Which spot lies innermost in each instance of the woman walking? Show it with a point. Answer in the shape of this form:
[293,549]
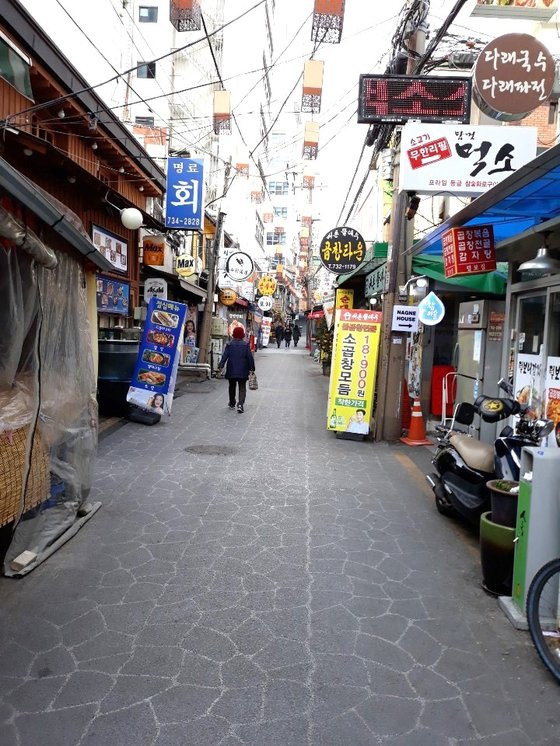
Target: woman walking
[239,362]
[288,335]
[279,333]
[296,334]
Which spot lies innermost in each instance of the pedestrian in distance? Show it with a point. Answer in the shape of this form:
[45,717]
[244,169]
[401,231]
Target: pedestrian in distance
[279,332]
[287,336]
[296,334]
[239,362]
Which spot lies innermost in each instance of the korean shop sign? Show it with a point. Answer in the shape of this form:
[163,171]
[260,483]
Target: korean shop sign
[469,250]
[342,250]
[354,363]
[513,75]
[344,298]
[535,10]
[462,159]
[375,281]
[184,197]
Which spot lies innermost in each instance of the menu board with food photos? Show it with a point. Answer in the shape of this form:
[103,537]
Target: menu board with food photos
[114,248]
[552,389]
[113,296]
[153,381]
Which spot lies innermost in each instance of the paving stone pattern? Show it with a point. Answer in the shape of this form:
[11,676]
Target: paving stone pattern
[300,590]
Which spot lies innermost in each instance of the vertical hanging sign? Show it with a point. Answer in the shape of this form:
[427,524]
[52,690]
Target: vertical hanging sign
[153,381]
[184,198]
[354,366]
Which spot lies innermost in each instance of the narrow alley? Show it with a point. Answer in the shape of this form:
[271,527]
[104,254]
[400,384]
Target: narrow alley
[250,579]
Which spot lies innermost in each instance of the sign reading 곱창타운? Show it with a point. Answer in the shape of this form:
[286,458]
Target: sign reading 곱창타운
[354,363]
[462,158]
[342,250]
[514,74]
[468,251]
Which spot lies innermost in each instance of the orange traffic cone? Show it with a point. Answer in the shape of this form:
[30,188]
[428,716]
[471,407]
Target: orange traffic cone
[417,432]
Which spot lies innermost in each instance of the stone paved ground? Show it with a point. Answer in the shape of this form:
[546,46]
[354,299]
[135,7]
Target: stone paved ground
[287,588]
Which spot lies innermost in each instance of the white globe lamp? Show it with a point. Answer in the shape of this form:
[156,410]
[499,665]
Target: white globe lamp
[131,218]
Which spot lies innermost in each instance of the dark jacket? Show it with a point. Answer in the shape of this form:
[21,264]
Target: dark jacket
[239,359]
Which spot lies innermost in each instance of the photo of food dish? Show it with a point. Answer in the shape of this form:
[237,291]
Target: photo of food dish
[553,406]
[97,239]
[529,397]
[156,358]
[99,286]
[152,377]
[161,338]
[109,288]
[104,300]
[165,319]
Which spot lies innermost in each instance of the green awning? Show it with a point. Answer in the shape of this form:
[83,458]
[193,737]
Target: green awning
[376,254]
[488,282]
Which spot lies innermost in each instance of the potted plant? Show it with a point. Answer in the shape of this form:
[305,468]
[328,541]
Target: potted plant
[503,501]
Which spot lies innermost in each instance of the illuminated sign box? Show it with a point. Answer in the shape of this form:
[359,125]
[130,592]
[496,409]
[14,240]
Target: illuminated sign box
[538,10]
[468,251]
[400,98]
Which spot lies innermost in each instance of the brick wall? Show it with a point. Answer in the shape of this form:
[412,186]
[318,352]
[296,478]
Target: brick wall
[545,119]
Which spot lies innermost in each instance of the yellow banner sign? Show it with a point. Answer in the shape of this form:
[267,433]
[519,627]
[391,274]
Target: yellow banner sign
[267,285]
[354,364]
[344,298]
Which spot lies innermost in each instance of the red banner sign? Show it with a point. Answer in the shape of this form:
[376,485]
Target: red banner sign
[469,251]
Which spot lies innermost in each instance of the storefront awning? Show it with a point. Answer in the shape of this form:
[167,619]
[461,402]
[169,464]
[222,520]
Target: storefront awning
[375,256]
[488,282]
[190,287]
[525,202]
[59,217]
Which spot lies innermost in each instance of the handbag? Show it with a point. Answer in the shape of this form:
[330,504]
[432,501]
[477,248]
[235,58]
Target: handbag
[253,383]
[220,373]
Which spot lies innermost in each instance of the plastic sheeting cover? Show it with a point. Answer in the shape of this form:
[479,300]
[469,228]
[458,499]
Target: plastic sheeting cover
[47,394]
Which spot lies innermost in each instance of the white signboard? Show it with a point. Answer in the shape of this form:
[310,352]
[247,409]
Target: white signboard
[462,158]
[155,288]
[405,319]
[265,302]
[239,266]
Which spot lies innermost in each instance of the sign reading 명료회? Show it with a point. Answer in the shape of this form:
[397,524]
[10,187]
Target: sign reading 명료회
[468,250]
[153,380]
[354,364]
[462,158]
[514,74]
[342,250]
[184,195]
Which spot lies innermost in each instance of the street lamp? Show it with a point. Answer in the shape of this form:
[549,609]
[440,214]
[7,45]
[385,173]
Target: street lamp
[131,217]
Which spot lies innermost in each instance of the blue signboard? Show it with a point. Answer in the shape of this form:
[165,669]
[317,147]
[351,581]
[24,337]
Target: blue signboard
[153,381]
[112,296]
[184,198]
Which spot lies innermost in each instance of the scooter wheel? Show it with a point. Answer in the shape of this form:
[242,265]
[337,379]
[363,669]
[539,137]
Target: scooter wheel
[442,503]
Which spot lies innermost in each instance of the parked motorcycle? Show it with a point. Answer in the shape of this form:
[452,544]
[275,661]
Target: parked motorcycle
[464,464]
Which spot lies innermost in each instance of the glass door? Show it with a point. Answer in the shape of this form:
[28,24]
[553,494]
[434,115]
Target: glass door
[551,408]
[528,351]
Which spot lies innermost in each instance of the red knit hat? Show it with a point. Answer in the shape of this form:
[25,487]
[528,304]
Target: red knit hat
[238,332]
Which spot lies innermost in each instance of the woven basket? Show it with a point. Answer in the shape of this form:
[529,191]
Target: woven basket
[13,446]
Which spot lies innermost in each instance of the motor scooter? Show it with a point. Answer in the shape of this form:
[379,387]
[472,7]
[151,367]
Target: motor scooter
[464,464]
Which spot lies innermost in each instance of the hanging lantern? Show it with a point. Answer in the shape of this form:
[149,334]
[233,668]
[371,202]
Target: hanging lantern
[311,141]
[185,15]
[222,113]
[312,86]
[328,17]
[308,181]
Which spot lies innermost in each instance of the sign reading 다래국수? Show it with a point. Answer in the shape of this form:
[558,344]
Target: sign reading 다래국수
[462,158]
[184,194]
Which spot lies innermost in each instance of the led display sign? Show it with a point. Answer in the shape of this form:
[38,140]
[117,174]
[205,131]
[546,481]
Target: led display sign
[399,98]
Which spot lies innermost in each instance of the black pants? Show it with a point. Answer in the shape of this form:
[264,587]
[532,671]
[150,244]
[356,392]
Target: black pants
[242,390]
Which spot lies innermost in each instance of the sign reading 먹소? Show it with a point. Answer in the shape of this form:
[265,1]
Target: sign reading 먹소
[513,75]
[342,250]
[469,251]
[462,158]
[398,98]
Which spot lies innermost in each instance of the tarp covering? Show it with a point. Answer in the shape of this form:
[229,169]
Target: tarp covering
[48,409]
[487,282]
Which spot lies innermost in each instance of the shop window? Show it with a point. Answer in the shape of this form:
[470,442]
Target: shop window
[14,67]
[146,70]
[147,14]
[552,112]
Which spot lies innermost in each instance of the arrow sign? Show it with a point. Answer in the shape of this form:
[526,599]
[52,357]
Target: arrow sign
[405,319]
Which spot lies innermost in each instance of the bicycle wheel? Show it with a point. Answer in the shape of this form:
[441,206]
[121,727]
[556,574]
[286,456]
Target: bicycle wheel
[543,615]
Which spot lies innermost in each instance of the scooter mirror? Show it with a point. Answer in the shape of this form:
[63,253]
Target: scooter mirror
[505,386]
[544,427]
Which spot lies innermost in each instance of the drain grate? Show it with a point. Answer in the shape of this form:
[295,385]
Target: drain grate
[204,450]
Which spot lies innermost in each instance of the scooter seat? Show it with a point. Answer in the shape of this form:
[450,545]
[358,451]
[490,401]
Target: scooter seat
[477,455]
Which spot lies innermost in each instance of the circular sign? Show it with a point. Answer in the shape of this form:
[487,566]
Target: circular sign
[265,303]
[239,266]
[154,288]
[513,75]
[185,265]
[267,285]
[227,296]
[342,250]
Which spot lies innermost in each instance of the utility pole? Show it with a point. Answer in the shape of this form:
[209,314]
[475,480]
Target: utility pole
[206,326]
[393,344]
